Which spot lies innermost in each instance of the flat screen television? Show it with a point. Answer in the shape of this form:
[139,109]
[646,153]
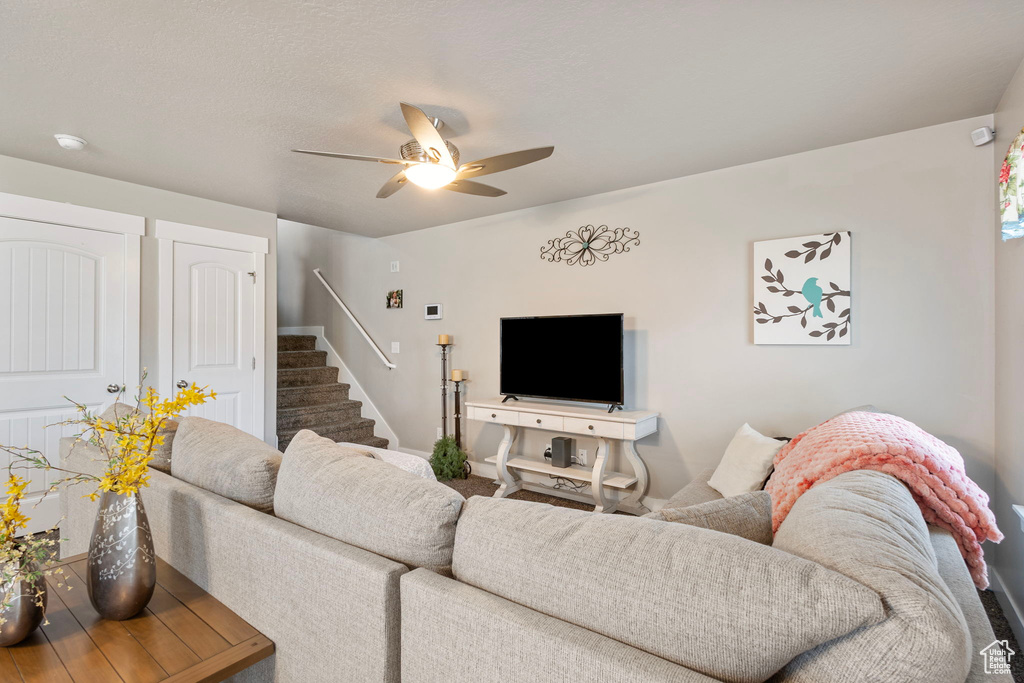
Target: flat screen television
[566,357]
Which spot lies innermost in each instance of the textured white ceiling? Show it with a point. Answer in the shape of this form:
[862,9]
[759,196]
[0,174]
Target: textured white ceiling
[206,97]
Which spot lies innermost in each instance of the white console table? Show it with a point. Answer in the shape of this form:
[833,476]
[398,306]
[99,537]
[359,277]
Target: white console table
[625,426]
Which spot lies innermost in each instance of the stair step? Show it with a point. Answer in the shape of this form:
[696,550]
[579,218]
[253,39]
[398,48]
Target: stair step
[289,360]
[355,431]
[324,413]
[375,441]
[321,394]
[296,342]
[305,377]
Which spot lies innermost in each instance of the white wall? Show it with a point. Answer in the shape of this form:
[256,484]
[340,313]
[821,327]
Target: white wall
[31,179]
[919,205]
[1009,480]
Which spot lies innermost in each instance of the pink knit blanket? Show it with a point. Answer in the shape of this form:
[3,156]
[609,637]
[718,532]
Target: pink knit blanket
[931,469]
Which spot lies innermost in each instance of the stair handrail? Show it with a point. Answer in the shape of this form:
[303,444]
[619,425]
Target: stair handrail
[362,330]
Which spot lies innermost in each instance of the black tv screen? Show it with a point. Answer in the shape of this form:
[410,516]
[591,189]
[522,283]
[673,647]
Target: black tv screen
[570,358]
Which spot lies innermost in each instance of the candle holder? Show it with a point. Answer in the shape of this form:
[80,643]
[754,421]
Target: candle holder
[458,413]
[444,388]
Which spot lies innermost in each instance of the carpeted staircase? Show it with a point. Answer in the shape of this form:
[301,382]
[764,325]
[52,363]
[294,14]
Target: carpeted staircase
[309,396]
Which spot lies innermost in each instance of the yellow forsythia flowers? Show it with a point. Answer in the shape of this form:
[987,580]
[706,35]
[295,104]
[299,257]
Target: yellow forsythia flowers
[132,437]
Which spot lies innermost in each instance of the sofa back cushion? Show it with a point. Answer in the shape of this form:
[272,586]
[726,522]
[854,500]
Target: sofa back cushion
[367,503]
[866,526]
[161,452]
[227,461]
[715,603]
[748,515]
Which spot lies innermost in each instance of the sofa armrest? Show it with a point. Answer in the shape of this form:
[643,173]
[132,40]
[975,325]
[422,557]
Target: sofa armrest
[696,492]
[958,579]
[473,636]
[78,513]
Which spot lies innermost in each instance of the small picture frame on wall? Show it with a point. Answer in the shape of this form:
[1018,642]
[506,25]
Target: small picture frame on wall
[395,298]
[432,312]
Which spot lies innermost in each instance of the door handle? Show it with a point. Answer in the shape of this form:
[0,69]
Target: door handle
[113,388]
[182,384]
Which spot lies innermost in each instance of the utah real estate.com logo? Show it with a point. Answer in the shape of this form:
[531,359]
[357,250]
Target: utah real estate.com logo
[997,657]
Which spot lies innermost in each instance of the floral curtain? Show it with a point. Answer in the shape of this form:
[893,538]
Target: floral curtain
[1011,190]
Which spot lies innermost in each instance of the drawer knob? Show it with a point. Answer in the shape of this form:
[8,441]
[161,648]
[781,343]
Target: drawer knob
[494,415]
[590,427]
[538,420]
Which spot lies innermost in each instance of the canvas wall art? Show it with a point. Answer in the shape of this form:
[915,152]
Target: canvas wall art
[802,290]
[395,299]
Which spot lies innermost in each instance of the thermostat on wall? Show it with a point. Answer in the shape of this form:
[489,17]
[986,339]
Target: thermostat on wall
[432,311]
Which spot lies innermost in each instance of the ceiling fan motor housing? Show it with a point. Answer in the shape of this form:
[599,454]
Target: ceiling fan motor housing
[412,151]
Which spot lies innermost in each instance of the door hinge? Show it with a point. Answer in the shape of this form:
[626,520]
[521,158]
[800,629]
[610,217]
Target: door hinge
[254,362]
[252,274]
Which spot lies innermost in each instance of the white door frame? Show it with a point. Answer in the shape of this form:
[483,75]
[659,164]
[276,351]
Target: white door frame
[132,227]
[167,233]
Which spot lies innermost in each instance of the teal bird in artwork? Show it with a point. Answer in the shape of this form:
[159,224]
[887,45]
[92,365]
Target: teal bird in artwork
[812,292]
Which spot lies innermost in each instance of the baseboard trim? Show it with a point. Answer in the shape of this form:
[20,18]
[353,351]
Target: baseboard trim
[356,392]
[1014,615]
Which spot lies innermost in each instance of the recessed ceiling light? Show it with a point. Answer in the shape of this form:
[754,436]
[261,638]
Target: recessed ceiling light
[70,141]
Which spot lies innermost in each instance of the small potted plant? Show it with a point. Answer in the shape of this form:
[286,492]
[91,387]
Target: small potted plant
[25,563]
[122,562]
[448,460]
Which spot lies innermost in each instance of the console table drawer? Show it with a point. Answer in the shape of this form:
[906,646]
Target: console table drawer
[502,417]
[550,422]
[610,430]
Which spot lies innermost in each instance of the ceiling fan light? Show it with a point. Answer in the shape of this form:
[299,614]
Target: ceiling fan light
[430,176]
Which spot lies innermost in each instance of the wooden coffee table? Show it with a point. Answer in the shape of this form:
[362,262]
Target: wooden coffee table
[184,635]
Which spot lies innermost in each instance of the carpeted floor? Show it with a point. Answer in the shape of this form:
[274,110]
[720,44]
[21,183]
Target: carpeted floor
[1003,632]
[480,486]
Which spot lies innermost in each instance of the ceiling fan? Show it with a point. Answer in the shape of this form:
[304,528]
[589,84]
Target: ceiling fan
[432,162]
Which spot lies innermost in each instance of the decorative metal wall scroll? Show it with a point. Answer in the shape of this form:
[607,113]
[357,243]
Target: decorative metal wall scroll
[588,245]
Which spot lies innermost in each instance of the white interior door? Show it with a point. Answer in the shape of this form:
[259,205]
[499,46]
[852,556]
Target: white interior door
[214,331]
[64,322]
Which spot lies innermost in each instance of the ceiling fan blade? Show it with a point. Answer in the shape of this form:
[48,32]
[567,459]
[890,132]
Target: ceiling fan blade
[469,187]
[425,133]
[503,162]
[354,157]
[393,185]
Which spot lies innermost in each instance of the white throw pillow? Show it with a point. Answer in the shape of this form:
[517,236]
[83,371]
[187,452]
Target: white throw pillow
[746,462]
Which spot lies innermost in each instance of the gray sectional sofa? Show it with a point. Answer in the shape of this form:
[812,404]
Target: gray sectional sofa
[384,576]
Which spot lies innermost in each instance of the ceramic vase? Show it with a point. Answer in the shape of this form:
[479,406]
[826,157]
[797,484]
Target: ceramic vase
[122,564]
[22,615]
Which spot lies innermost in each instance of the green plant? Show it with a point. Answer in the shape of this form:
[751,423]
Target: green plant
[448,460]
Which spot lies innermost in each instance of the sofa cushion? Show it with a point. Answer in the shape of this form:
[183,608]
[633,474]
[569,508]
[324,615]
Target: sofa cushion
[697,491]
[711,602]
[227,461]
[748,515]
[161,452]
[866,525]
[367,503]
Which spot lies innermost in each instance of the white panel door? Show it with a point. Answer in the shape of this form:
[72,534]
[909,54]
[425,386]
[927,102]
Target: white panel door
[214,330]
[62,333]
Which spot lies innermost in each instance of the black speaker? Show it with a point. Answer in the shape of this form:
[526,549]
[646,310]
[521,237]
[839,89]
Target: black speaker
[562,448]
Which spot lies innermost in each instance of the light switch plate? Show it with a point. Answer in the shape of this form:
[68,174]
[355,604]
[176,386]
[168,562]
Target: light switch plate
[439,434]
[394,266]
[395,347]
